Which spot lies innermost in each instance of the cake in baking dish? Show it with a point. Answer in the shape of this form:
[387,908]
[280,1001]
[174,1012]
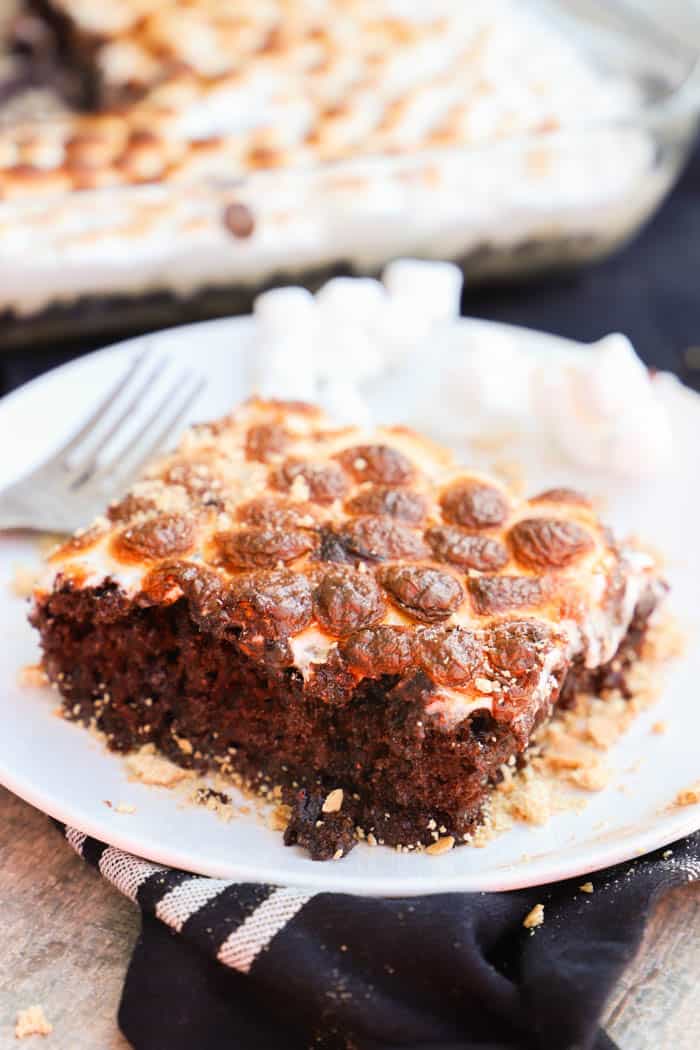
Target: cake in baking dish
[350,615]
[219,146]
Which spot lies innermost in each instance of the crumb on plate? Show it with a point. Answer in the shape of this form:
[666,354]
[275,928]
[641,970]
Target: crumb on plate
[32,676]
[148,767]
[689,796]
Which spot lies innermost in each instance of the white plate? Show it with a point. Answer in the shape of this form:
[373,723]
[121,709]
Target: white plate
[61,769]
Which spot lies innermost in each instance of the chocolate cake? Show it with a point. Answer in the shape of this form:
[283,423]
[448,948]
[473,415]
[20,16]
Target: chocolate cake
[350,615]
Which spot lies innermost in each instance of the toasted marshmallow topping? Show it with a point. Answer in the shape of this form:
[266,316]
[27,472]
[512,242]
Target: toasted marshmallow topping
[354,554]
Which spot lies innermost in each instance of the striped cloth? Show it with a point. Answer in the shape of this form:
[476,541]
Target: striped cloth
[234,921]
[221,965]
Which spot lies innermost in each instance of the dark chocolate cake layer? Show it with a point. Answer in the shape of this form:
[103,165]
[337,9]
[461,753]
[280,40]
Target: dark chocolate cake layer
[152,675]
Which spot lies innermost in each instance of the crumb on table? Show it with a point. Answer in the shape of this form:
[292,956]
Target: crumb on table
[587,887]
[32,1021]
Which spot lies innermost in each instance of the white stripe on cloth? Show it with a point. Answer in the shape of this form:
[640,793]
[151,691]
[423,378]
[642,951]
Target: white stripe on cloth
[125,872]
[244,944]
[176,907]
[76,839]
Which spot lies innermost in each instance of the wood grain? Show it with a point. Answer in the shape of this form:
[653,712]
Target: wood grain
[48,896]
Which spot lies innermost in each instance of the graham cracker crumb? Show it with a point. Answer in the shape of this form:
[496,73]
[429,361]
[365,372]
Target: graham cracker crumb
[443,845]
[32,676]
[659,728]
[587,887]
[24,579]
[689,796]
[280,817]
[603,732]
[534,918]
[32,1021]
[333,802]
[150,768]
[124,807]
[531,800]
[595,778]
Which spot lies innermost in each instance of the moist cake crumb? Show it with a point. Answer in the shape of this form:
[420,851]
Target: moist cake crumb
[32,1021]
[534,918]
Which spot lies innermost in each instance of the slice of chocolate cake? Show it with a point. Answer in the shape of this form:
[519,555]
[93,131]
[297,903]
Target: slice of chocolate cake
[350,615]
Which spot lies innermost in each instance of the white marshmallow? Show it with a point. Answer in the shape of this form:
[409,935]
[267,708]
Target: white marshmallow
[434,287]
[282,362]
[348,311]
[604,414]
[486,380]
[283,309]
[354,299]
[346,351]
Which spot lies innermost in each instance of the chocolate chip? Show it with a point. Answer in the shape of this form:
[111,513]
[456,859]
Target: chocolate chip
[238,220]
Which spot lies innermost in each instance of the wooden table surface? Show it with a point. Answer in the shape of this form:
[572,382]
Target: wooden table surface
[48,896]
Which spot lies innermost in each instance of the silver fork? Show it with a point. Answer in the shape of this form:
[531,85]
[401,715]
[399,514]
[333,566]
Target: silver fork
[77,481]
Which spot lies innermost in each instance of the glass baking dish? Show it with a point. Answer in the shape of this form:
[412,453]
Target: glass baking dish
[122,258]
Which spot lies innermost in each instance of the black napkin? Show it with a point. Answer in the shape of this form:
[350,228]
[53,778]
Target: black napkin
[245,966]
[452,971]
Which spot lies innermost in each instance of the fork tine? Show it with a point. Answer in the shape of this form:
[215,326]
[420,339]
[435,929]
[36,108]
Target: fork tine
[87,469]
[173,420]
[101,408]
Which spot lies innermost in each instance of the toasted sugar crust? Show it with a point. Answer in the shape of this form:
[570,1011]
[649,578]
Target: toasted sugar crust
[311,585]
